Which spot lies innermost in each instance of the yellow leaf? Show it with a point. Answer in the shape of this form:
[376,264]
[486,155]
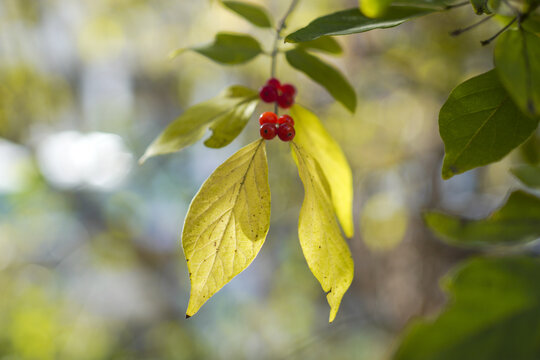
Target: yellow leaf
[325,250]
[315,140]
[227,223]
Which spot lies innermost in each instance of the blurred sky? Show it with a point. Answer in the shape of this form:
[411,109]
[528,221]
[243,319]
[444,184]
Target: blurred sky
[90,259]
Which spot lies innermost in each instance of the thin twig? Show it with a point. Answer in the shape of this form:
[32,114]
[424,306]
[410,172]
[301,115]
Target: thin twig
[487,41]
[279,29]
[461,31]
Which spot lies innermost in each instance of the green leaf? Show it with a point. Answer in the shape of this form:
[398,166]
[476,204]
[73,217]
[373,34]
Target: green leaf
[528,175]
[485,6]
[228,49]
[228,127]
[493,312]
[326,252]
[232,107]
[480,124]
[227,223]
[325,44]
[352,21]
[317,142]
[255,14]
[517,55]
[517,221]
[325,75]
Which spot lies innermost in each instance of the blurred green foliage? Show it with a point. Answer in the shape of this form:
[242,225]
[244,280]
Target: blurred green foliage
[95,272]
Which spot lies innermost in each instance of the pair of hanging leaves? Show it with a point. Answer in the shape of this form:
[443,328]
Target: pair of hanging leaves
[228,219]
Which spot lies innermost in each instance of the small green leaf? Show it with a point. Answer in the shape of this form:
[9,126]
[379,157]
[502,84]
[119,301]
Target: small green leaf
[325,44]
[227,223]
[493,312]
[228,49]
[485,6]
[517,221]
[255,14]
[326,252]
[229,126]
[480,124]
[232,107]
[352,21]
[317,142]
[528,175]
[517,60]
[325,75]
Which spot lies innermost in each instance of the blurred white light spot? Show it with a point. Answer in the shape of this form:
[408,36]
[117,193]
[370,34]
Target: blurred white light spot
[72,159]
[14,161]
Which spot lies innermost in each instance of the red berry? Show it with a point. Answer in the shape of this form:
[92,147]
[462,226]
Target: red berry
[268,117]
[285,101]
[285,119]
[286,132]
[273,82]
[268,93]
[268,131]
[288,89]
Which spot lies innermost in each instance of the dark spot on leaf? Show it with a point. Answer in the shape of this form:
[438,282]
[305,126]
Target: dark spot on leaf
[188,316]
[454,169]
[530,106]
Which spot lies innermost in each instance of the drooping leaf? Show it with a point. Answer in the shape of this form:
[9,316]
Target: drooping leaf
[528,175]
[325,75]
[232,107]
[326,252]
[493,312]
[227,222]
[228,49]
[255,14]
[228,127]
[325,44]
[317,142]
[517,221]
[352,21]
[480,124]
[517,60]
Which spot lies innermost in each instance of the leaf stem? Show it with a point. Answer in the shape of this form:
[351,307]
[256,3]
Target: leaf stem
[461,31]
[486,42]
[282,25]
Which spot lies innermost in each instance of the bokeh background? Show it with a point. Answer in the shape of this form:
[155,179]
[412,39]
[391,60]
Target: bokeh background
[90,260]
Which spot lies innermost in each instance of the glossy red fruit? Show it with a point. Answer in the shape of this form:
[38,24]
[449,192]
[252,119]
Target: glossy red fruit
[285,119]
[288,89]
[285,101]
[273,82]
[268,117]
[268,93]
[268,131]
[286,132]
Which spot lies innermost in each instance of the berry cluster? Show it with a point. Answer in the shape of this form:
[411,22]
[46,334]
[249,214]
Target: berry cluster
[271,126]
[274,91]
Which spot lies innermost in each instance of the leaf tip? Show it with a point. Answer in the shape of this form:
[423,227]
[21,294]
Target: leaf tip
[175,53]
[188,316]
